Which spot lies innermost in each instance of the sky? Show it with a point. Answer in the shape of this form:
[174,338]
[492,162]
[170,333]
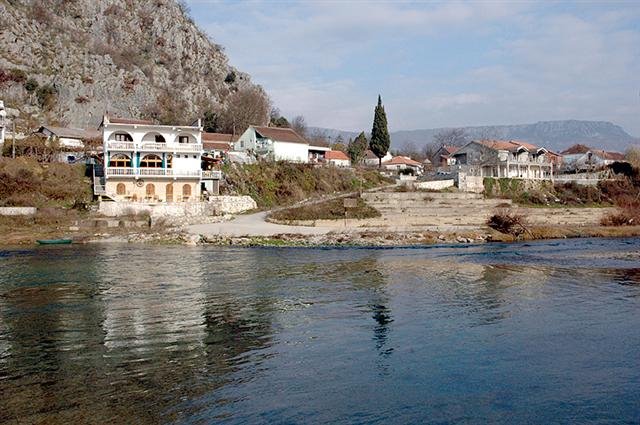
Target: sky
[436,64]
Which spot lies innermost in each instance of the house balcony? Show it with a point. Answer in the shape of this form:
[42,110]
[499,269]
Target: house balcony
[151,172]
[154,147]
[212,175]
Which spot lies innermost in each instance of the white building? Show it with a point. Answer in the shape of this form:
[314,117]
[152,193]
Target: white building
[371,159]
[153,163]
[401,163]
[583,158]
[3,122]
[275,143]
[337,158]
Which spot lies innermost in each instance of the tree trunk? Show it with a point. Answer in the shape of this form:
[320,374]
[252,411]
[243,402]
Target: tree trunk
[379,163]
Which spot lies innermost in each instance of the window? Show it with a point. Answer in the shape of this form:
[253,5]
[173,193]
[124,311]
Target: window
[160,139]
[186,191]
[183,139]
[169,161]
[169,192]
[150,189]
[151,161]
[120,160]
[123,137]
[121,189]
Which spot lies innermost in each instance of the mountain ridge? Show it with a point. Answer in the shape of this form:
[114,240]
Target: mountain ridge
[555,135]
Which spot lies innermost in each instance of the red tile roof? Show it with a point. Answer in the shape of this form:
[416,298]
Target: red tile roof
[216,146]
[336,155]
[508,145]
[581,149]
[450,149]
[402,160]
[219,137]
[71,133]
[280,134]
[575,149]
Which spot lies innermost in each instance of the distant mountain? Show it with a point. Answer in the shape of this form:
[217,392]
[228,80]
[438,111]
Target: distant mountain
[554,135]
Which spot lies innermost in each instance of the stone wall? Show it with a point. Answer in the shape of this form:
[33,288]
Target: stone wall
[232,204]
[467,183]
[17,210]
[217,205]
[434,184]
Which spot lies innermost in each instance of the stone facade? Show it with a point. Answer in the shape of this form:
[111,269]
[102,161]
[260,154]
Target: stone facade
[434,184]
[232,204]
[218,205]
[154,189]
[467,183]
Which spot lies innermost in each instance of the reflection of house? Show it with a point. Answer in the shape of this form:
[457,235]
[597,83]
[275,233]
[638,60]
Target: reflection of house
[217,144]
[3,122]
[583,158]
[144,161]
[443,157]
[276,143]
[337,158]
[370,158]
[500,158]
[401,163]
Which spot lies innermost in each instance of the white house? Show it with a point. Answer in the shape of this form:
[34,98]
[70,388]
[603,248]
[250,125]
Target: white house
[153,163]
[370,158]
[337,158]
[217,144]
[3,122]
[583,158]
[401,163]
[504,158]
[279,144]
[73,138]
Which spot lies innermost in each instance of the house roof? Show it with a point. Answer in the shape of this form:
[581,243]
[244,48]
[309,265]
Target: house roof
[280,134]
[616,156]
[508,145]
[402,160]
[117,120]
[216,146]
[71,133]
[336,155]
[576,149]
[219,137]
[449,149]
[426,161]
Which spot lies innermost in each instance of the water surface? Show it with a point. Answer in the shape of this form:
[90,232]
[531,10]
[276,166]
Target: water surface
[529,333]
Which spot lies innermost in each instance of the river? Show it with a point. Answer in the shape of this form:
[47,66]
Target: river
[544,332]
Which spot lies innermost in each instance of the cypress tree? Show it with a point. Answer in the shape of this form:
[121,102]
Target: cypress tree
[357,147]
[380,140]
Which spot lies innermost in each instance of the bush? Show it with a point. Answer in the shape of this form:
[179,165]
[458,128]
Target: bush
[328,210]
[46,95]
[507,221]
[31,85]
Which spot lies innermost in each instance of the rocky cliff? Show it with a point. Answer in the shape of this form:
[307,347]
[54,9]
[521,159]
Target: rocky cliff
[69,61]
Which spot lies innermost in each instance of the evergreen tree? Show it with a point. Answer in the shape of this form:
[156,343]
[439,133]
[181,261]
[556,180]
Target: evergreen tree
[380,140]
[357,148]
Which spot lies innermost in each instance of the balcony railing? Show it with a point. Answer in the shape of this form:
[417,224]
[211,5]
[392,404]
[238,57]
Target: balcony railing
[155,147]
[212,174]
[151,172]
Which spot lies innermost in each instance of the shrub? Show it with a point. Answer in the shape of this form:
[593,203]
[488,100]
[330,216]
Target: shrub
[46,95]
[328,210]
[31,85]
[507,221]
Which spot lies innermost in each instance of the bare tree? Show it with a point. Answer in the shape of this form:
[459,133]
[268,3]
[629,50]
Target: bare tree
[318,137]
[248,106]
[411,150]
[299,125]
[450,137]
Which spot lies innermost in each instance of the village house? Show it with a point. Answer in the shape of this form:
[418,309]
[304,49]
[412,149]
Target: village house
[501,158]
[318,151]
[337,158]
[3,122]
[216,145]
[579,158]
[372,160]
[402,163]
[152,163]
[443,157]
[71,141]
[275,143]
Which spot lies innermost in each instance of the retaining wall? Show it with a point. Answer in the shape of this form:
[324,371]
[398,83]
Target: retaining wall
[435,184]
[17,210]
[216,205]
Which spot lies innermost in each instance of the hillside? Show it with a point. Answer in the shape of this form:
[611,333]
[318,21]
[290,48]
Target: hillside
[67,61]
[556,135]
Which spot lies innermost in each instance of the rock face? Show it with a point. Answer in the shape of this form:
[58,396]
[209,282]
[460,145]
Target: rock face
[136,58]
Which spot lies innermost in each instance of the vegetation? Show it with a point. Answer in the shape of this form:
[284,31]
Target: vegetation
[507,221]
[357,148]
[26,183]
[327,210]
[380,139]
[282,183]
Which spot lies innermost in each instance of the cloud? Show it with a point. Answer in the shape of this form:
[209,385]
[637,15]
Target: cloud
[436,64]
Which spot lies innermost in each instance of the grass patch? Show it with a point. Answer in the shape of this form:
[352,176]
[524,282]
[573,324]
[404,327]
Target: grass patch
[328,210]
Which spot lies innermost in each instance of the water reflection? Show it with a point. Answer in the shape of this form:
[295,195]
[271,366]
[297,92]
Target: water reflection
[170,334]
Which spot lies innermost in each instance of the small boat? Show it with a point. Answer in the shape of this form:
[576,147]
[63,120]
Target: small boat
[54,241]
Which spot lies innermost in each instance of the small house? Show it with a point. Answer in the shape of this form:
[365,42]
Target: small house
[580,158]
[337,158]
[443,157]
[275,143]
[371,159]
[402,164]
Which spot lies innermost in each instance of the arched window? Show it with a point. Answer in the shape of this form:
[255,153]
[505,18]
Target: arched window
[123,137]
[169,192]
[121,189]
[151,161]
[186,191]
[160,139]
[120,160]
[150,189]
